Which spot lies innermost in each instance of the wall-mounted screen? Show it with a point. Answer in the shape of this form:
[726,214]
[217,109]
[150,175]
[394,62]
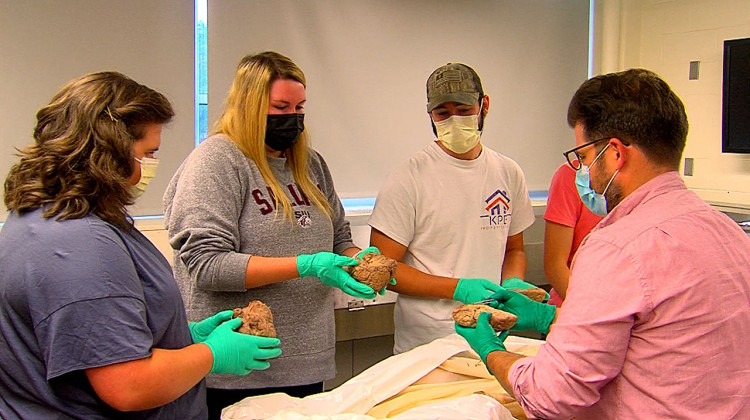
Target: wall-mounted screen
[735,136]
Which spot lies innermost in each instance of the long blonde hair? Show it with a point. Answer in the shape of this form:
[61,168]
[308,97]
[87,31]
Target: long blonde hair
[244,121]
[83,151]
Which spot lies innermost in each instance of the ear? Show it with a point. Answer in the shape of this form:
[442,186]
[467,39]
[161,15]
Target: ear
[486,104]
[622,151]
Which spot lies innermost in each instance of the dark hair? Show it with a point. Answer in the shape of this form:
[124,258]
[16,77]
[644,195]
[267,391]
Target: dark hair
[637,106]
[83,152]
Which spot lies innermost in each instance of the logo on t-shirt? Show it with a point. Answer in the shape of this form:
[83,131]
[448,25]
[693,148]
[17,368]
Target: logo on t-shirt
[498,207]
[303,218]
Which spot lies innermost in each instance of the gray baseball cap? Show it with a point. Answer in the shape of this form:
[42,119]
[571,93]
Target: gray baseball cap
[453,82]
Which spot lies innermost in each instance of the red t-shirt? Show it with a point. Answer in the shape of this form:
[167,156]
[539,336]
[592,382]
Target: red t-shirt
[564,207]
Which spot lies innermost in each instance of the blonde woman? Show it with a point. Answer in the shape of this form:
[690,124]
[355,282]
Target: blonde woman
[253,214]
[91,319]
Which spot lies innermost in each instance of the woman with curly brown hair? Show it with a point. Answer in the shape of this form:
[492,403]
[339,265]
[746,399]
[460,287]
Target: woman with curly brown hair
[91,320]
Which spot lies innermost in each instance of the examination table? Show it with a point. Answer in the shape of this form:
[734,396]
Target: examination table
[443,379]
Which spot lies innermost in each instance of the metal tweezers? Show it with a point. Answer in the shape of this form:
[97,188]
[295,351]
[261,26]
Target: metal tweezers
[484,301]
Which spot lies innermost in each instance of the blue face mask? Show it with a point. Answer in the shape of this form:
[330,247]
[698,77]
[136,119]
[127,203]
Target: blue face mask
[594,201]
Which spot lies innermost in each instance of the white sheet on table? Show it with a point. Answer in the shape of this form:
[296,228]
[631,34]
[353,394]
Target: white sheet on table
[352,399]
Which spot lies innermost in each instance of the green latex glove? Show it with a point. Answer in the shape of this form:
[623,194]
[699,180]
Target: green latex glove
[531,315]
[202,329]
[367,250]
[377,251]
[382,291]
[327,267]
[239,353]
[483,339]
[473,290]
[517,283]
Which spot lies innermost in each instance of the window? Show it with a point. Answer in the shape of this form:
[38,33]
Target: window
[201,70]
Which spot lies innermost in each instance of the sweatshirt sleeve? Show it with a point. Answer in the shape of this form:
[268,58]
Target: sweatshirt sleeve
[203,203]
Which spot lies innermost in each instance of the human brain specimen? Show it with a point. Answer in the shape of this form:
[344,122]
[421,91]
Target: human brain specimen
[467,315]
[256,319]
[535,293]
[374,270]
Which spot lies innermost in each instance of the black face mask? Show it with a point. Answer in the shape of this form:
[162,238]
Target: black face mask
[283,130]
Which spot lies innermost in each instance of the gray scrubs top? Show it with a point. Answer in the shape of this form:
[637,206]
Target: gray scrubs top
[78,294]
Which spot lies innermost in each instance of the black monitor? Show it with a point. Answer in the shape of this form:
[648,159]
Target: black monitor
[735,135]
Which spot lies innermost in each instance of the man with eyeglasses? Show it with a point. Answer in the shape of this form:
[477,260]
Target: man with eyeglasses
[655,320]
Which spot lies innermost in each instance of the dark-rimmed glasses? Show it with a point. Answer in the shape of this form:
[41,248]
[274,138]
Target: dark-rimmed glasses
[572,156]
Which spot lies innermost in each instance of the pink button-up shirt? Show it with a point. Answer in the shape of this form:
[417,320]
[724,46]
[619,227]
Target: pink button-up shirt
[656,322]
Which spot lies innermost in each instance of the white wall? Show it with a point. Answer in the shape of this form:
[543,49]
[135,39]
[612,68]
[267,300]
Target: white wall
[46,43]
[367,63]
[665,36]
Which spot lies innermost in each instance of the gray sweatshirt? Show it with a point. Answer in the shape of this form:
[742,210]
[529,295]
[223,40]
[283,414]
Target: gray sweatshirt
[219,212]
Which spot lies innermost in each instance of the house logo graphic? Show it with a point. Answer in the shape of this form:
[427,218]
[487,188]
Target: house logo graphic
[498,207]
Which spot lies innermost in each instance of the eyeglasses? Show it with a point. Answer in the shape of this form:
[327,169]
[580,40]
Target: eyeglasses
[574,159]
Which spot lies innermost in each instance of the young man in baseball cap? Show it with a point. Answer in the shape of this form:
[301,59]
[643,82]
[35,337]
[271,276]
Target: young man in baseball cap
[453,215]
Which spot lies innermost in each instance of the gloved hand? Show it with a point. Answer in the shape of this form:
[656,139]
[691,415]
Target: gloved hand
[473,290]
[202,329]
[377,251]
[239,353]
[327,267]
[367,250]
[382,291]
[531,315]
[517,283]
[483,338]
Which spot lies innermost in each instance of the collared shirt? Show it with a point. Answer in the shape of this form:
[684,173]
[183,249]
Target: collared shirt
[656,319]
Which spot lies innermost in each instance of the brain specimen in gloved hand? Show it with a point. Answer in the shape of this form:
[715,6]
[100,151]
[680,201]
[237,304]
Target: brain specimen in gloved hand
[535,293]
[374,270]
[467,315]
[256,319]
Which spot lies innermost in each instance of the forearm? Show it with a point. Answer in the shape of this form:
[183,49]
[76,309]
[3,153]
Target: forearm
[514,264]
[413,282]
[268,270]
[499,364]
[141,385]
[261,271]
[350,252]
[558,274]
[558,241]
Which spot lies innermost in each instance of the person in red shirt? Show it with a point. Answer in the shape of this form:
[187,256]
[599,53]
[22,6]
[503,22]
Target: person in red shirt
[567,222]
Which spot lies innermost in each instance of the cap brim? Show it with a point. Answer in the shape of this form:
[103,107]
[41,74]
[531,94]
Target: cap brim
[464,98]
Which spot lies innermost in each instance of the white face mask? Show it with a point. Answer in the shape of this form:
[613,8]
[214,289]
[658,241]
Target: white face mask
[459,134]
[148,172]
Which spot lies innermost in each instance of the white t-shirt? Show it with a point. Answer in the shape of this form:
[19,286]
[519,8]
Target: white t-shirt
[454,216]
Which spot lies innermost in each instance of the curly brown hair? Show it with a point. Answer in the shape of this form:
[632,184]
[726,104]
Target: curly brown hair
[83,151]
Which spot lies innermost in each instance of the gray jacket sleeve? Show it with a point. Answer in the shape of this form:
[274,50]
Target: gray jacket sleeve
[202,204]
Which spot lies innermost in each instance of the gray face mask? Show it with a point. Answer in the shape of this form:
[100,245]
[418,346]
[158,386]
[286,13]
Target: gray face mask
[148,172]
